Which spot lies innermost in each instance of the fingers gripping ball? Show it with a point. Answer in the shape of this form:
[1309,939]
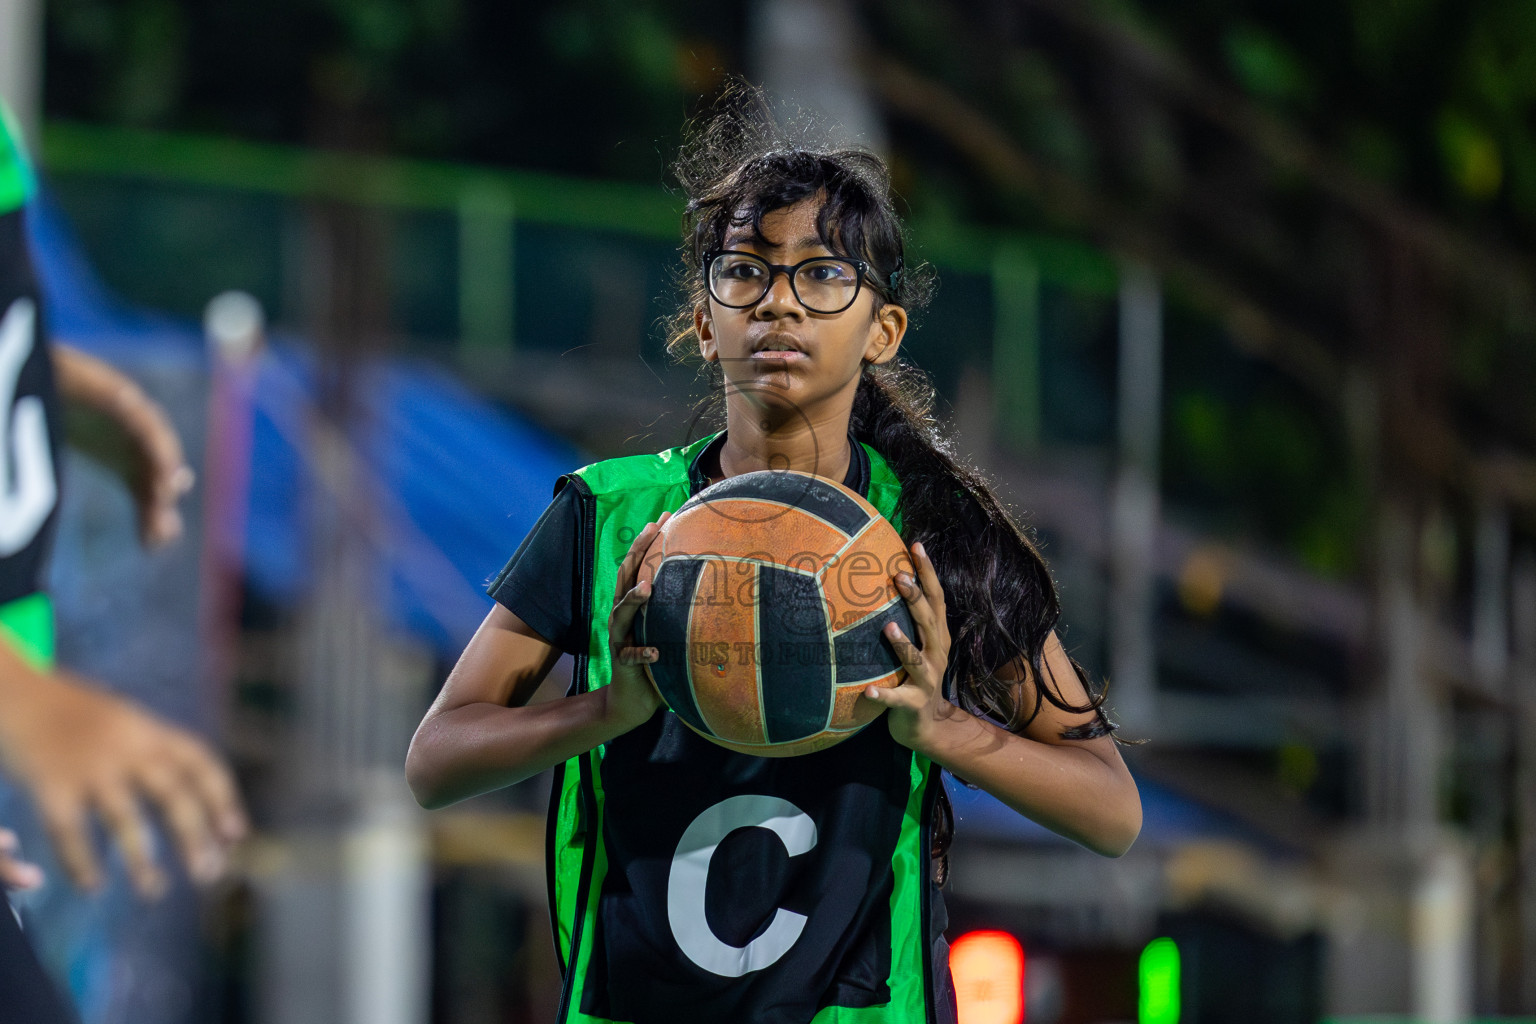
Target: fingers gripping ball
[770,592]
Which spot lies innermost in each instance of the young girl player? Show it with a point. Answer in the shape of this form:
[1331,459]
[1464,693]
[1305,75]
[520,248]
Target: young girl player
[829,910]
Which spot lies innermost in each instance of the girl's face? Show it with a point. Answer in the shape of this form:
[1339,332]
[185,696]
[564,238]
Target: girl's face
[782,359]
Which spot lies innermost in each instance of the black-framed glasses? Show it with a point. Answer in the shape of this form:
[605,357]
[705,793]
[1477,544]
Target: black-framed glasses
[822,284]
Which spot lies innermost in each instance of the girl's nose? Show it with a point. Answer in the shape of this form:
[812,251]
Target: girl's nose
[780,299]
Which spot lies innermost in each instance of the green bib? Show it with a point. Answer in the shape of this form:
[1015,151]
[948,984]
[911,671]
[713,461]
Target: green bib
[849,940]
[16,181]
[27,625]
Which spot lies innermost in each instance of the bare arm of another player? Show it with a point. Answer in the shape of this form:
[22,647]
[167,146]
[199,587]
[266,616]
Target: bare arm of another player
[160,475]
[482,734]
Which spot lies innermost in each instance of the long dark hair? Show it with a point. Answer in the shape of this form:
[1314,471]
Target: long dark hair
[738,164]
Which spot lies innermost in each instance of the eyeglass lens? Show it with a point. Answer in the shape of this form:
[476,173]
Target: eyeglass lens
[822,285]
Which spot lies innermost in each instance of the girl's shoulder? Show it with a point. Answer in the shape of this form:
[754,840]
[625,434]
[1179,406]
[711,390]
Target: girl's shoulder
[667,468]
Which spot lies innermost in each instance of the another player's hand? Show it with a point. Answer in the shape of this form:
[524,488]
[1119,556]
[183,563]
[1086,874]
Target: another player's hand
[162,477]
[15,873]
[158,473]
[915,705]
[631,694]
[82,753]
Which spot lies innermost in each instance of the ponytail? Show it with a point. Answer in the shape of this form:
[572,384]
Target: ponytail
[1000,597]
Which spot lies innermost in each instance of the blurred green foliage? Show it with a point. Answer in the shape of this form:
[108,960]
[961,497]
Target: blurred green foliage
[584,87]
[1434,97]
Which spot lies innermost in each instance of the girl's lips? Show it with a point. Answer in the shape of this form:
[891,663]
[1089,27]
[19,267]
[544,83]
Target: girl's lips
[786,354]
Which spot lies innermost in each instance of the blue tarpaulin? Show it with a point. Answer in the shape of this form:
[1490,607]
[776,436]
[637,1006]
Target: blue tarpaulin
[453,482]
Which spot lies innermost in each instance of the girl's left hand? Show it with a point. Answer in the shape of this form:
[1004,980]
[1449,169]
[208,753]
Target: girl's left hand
[919,701]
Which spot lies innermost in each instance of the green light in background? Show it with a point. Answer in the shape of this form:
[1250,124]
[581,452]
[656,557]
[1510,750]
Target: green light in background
[1159,976]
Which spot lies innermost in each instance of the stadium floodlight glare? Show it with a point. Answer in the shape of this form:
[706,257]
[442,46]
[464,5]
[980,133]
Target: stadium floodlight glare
[988,972]
[1159,983]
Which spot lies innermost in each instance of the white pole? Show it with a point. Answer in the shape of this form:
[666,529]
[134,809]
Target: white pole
[21,65]
[1134,512]
[387,909]
[1442,937]
[1408,747]
[801,54]
[234,325]
[1490,596]
[1523,607]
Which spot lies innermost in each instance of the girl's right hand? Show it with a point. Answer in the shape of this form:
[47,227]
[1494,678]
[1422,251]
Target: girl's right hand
[631,697]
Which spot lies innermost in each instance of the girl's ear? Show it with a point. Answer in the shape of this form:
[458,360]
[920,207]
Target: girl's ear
[704,327]
[885,334]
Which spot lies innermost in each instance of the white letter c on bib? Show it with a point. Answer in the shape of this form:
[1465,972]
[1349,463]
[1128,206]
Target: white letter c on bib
[28,488]
[690,875]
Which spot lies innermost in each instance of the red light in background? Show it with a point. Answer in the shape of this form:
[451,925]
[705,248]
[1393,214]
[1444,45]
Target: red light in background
[988,970]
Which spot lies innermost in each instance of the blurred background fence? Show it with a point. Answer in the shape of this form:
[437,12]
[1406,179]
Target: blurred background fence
[1263,393]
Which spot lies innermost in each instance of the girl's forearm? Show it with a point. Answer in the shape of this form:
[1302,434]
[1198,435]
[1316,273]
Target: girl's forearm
[1065,787]
[472,749]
